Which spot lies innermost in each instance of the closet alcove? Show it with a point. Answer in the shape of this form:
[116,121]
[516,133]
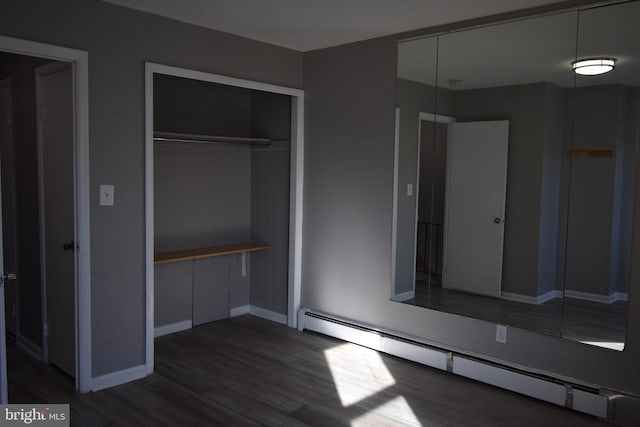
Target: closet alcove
[221,188]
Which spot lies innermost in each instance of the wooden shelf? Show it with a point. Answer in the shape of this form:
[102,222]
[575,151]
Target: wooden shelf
[591,153]
[191,254]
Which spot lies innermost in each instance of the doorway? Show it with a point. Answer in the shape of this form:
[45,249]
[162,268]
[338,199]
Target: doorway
[78,359]
[54,106]
[475,203]
[38,204]
[430,205]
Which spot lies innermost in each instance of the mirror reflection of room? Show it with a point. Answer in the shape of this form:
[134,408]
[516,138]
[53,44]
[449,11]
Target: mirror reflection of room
[524,171]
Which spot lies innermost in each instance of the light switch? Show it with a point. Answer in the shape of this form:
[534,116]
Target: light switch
[409,189]
[106,195]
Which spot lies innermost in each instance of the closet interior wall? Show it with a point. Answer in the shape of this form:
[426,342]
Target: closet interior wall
[220,194]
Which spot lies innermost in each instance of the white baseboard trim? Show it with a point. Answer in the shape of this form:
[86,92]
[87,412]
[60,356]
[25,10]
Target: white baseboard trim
[239,311]
[119,377]
[540,299]
[510,380]
[183,325]
[267,314]
[29,347]
[404,296]
[620,296]
[603,299]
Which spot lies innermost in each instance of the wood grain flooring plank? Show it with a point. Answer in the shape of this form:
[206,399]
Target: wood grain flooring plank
[247,371]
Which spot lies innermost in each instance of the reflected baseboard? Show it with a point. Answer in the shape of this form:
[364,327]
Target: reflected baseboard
[404,296]
[537,300]
[604,299]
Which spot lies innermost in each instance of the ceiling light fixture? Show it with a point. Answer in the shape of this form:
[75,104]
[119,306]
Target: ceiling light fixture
[593,66]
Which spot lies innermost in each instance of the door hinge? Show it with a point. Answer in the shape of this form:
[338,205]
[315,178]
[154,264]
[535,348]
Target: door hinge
[45,329]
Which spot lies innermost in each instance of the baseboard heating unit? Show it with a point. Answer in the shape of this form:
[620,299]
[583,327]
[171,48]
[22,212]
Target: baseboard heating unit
[582,398]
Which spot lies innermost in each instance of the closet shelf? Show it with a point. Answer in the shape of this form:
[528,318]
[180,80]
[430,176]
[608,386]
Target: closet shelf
[208,139]
[212,251]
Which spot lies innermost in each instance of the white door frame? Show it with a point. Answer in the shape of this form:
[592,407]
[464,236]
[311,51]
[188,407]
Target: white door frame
[80,64]
[3,339]
[423,117]
[295,190]
[394,213]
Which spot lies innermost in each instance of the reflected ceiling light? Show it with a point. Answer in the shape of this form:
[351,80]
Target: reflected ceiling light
[593,66]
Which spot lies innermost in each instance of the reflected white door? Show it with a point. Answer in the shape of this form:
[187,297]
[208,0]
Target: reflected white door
[5,135]
[57,218]
[475,206]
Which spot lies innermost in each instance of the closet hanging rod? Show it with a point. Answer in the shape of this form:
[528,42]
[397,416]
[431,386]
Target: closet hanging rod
[208,139]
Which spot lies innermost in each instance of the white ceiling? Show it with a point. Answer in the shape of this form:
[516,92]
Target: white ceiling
[306,25]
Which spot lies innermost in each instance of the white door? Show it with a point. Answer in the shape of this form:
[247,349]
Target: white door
[5,135]
[57,211]
[475,206]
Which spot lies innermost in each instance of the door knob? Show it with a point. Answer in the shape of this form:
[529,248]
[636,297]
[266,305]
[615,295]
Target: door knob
[69,246]
[497,220]
[6,277]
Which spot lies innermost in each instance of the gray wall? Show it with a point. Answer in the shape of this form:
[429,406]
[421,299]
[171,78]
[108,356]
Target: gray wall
[550,203]
[202,192]
[271,118]
[20,173]
[193,106]
[630,184]
[595,192]
[202,195]
[119,41]
[350,95]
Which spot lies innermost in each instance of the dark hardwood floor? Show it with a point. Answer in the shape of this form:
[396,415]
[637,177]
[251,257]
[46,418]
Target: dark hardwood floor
[247,371]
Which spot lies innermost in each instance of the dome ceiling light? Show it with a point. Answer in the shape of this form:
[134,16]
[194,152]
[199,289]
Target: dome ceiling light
[593,66]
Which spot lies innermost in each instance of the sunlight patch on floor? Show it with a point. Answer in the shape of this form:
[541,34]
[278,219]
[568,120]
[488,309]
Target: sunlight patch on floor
[394,412]
[357,372]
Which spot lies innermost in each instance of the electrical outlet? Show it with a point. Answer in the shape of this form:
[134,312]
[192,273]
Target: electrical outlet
[501,334]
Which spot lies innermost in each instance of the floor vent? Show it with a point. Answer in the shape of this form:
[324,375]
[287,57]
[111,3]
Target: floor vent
[544,387]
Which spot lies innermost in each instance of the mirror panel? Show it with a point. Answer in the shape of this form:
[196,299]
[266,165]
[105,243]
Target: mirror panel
[416,92]
[602,177]
[505,251]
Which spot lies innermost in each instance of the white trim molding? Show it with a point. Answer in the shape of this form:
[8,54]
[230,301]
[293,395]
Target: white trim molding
[296,186]
[80,62]
[171,328]
[239,311]
[588,296]
[528,299]
[269,315]
[119,377]
[404,296]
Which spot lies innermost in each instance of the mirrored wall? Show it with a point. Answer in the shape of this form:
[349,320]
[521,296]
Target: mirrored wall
[515,174]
